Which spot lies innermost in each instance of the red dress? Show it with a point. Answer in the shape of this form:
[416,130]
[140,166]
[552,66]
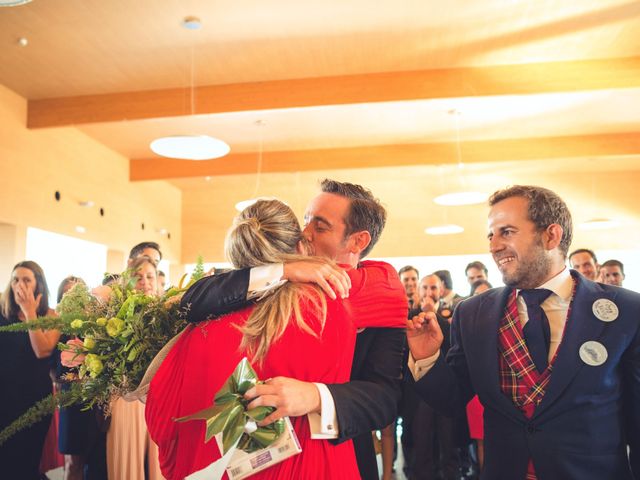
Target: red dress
[207,353]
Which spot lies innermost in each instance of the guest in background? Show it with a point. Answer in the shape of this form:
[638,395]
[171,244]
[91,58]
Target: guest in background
[612,272]
[162,282]
[476,271]
[475,410]
[409,277]
[448,298]
[480,286]
[81,436]
[145,249]
[584,261]
[128,441]
[24,369]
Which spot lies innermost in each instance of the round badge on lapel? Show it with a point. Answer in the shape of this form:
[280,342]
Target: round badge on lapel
[605,310]
[593,353]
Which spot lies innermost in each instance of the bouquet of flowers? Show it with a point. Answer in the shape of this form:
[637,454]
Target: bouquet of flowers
[115,342]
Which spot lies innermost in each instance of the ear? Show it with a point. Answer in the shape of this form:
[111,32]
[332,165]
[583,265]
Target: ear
[552,236]
[359,241]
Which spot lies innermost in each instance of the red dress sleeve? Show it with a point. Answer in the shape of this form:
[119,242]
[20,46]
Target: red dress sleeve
[377,297]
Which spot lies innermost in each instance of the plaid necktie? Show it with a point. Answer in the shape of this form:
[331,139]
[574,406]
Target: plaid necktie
[537,333]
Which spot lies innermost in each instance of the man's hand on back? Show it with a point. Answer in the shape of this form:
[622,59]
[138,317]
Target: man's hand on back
[290,397]
[331,278]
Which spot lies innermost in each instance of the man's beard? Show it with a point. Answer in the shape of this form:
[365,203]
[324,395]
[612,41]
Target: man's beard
[532,270]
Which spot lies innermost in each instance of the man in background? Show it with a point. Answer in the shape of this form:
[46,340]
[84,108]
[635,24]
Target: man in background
[409,278]
[612,272]
[584,261]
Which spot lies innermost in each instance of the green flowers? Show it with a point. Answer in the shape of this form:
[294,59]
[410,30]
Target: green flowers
[89,343]
[115,326]
[77,323]
[101,321]
[93,364]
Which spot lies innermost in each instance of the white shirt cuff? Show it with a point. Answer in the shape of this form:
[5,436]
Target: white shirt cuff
[419,368]
[324,425]
[263,279]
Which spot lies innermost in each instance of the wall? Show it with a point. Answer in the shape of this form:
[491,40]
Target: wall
[36,163]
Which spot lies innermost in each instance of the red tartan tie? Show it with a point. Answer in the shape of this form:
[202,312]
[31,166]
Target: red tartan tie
[536,331]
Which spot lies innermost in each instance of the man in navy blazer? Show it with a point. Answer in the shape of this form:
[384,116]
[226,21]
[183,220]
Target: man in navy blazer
[575,412]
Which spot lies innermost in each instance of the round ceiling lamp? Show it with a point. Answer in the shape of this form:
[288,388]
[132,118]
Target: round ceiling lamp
[444,230]
[461,198]
[13,3]
[190,147]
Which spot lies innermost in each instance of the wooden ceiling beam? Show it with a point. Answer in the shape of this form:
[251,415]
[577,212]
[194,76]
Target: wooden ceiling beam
[546,149]
[352,89]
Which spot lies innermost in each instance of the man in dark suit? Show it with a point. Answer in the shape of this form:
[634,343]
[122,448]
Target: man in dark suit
[554,357]
[342,223]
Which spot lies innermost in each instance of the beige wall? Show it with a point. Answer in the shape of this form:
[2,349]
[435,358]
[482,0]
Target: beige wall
[36,163]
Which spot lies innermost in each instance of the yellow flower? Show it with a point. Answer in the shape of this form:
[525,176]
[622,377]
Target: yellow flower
[94,365]
[115,326]
[89,343]
[77,323]
[101,321]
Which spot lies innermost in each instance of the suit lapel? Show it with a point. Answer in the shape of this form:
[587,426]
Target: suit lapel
[582,326]
[487,322]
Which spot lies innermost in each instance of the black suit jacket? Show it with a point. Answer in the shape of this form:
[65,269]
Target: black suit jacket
[368,402]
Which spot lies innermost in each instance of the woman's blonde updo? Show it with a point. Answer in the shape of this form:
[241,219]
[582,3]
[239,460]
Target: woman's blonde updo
[264,233]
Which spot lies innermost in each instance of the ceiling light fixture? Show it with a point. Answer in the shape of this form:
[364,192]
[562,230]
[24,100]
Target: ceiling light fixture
[444,230]
[190,147]
[599,224]
[12,3]
[461,198]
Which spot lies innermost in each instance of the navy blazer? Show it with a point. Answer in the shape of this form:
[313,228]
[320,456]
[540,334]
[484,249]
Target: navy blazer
[589,415]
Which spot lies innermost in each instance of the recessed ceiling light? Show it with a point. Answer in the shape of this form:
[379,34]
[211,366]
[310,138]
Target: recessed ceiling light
[599,224]
[190,147]
[461,198]
[80,229]
[444,230]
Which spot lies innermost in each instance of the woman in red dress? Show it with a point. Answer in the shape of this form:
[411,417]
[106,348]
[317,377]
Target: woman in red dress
[295,332]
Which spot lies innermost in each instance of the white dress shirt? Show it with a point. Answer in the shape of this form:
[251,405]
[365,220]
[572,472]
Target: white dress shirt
[556,307]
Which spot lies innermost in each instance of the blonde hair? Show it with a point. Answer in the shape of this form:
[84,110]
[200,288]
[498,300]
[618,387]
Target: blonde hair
[264,233]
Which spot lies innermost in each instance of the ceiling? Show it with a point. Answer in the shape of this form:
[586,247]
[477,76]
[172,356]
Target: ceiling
[395,89]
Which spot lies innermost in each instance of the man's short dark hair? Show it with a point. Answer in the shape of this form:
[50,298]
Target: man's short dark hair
[139,248]
[591,253]
[477,265]
[544,208]
[365,211]
[445,278]
[614,263]
[409,268]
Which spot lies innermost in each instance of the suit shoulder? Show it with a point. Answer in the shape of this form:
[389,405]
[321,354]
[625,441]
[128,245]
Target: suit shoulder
[475,302]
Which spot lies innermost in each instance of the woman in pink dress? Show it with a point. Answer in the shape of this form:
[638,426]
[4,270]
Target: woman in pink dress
[296,332]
